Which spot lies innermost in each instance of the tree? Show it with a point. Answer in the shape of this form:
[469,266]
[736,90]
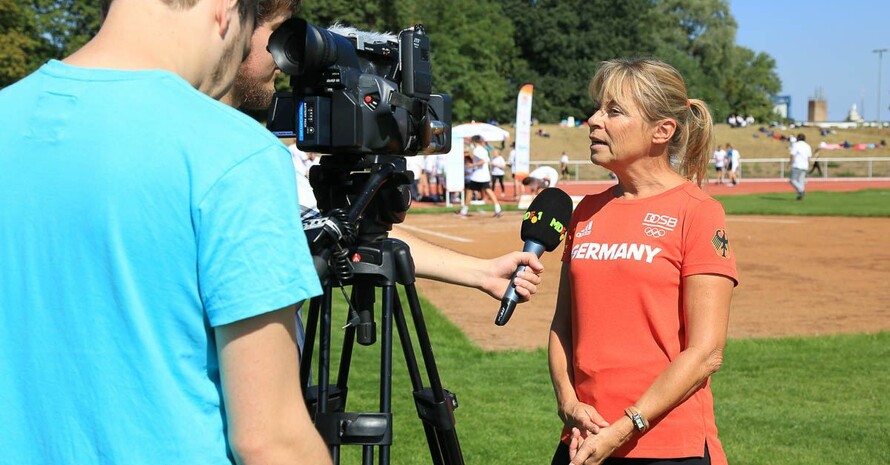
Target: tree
[563,41]
[698,37]
[472,51]
[20,43]
[67,24]
[751,83]
[375,15]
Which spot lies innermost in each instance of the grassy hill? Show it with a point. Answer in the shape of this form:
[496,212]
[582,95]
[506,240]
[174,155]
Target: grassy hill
[750,142]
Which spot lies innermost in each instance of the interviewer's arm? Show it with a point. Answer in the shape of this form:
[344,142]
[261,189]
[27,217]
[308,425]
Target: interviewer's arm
[268,422]
[488,275]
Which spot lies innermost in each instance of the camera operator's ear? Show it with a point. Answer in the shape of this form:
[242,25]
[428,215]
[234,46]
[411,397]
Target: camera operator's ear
[224,12]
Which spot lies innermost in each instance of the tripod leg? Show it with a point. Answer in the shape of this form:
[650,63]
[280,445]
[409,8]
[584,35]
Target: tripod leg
[435,406]
[386,363]
[386,266]
[416,382]
[309,342]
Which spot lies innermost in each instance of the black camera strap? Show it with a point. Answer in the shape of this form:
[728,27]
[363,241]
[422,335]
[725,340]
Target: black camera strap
[413,105]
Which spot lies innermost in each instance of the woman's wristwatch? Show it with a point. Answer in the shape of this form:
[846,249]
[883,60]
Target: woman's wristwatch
[640,424]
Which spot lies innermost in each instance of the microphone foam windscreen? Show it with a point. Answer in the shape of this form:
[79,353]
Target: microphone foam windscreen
[547,218]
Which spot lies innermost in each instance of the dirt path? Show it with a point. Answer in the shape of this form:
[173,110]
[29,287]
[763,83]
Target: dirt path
[799,276]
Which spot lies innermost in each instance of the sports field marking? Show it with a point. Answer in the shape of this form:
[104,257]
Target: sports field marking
[434,233]
[762,220]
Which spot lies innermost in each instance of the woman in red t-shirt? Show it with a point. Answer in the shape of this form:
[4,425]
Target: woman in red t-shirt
[647,279]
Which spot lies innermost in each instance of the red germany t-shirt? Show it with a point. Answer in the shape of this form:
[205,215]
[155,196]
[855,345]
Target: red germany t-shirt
[627,259]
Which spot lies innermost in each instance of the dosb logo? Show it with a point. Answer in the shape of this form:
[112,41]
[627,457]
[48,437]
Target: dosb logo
[661,221]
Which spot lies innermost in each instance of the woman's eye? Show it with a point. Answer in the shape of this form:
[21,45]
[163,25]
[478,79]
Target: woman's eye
[615,111]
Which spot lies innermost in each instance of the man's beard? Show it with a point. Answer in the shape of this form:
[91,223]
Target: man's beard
[251,96]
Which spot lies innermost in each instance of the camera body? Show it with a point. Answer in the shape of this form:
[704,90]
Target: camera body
[358,93]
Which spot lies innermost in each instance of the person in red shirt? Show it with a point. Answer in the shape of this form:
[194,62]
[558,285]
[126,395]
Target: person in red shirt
[647,279]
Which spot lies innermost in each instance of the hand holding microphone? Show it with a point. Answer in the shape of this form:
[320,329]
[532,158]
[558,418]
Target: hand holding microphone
[543,228]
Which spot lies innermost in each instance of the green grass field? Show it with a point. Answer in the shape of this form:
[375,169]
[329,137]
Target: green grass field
[868,202]
[820,400]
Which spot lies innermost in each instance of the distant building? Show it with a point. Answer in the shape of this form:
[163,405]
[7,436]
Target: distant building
[782,105]
[817,110]
[854,116]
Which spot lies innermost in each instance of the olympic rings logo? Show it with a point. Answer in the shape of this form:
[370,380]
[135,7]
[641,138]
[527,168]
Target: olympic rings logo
[654,232]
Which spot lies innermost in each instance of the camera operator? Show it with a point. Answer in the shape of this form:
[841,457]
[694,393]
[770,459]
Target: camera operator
[253,90]
[147,299]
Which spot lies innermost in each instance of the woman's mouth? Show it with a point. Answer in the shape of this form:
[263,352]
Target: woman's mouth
[595,142]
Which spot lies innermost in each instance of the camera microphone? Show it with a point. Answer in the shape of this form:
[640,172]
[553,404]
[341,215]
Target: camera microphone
[543,228]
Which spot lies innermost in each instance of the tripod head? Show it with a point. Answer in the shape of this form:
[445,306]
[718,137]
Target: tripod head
[373,189]
[360,198]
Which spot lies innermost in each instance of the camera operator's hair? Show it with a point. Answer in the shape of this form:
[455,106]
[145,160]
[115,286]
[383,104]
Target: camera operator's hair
[659,91]
[268,9]
[244,6]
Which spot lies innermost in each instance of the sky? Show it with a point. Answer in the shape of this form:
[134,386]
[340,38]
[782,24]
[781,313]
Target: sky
[822,46]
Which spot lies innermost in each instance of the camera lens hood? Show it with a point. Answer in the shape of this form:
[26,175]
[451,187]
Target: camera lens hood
[300,48]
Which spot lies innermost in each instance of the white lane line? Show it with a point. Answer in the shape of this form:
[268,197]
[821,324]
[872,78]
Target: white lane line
[762,220]
[435,233]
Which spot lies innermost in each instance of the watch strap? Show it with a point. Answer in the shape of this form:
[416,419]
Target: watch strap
[639,422]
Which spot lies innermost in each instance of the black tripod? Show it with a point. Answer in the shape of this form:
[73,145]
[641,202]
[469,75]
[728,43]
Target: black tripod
[376,263]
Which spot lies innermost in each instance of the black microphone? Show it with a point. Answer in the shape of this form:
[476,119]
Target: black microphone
[543,228]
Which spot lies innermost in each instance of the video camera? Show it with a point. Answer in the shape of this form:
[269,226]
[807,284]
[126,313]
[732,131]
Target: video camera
[358,93]
[365,100]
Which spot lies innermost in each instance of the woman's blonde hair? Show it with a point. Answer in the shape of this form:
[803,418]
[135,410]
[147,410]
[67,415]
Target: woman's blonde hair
[658,89]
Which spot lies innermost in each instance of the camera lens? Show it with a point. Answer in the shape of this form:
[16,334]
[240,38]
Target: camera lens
[321,48]
[300,48]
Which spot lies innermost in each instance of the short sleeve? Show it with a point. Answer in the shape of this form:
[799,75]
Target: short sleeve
[707,247]
[253,256]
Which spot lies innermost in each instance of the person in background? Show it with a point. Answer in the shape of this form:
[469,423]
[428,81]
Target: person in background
[816,165]
[800,154]
[541,178]
[517,180]
[435,172]
[735,164]
[498,170]
[479,179]
[646,284]
[564,166]
[419,186]
[137,327]
[720,163]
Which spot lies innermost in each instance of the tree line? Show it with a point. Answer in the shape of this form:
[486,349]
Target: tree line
[483,51]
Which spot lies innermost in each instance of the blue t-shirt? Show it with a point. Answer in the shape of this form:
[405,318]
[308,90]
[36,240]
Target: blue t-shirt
[135,215]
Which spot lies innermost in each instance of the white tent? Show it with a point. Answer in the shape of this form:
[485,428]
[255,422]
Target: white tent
[489,132]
